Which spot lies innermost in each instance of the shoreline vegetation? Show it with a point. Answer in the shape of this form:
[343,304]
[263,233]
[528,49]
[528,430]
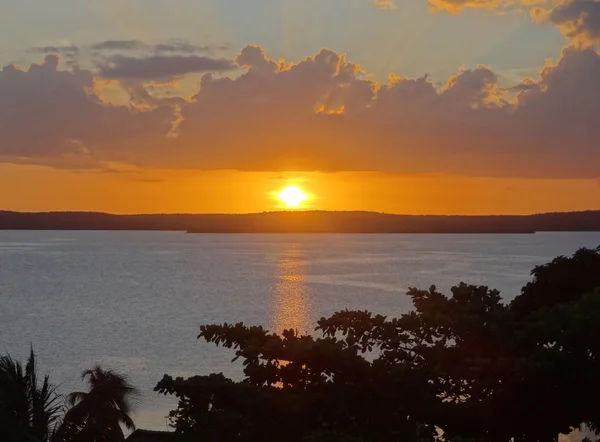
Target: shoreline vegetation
[305,222]
[459,367]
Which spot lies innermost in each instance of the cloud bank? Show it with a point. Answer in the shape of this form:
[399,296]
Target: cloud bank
[322,113]
[579,20]
[159,67]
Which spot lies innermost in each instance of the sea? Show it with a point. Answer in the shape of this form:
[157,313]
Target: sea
[133,301]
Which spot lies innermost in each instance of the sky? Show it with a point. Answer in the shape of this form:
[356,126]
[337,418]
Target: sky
[204,106]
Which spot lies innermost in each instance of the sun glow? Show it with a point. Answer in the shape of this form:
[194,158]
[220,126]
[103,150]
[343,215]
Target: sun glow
[292,196]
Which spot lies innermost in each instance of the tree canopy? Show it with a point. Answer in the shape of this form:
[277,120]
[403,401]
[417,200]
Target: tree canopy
[463,364]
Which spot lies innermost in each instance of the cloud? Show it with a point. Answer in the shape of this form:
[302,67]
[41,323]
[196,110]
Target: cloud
[69,53]
[185,47]
[167,46]
[106,52]
[51,117]
[120,45]
[70,49]
[158,67]
[579,20]
[280,116]
[457,6]
[386,4]
[321,113]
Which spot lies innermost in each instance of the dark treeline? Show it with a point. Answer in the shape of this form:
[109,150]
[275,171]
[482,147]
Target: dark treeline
[463,366]
[304,222]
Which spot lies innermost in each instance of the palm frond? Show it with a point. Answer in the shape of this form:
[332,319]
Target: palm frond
[75,397]
[30,411]
[126,420]
[104,407]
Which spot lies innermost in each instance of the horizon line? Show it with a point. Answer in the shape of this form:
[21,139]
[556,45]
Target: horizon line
[283,211]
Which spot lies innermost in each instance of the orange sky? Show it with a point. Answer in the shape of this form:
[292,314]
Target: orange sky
[435,107]
[33,188]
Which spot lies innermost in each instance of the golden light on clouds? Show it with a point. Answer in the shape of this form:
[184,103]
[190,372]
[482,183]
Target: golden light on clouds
[292,196]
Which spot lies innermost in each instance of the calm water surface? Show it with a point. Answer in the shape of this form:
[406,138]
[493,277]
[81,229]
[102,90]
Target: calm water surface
[133,301]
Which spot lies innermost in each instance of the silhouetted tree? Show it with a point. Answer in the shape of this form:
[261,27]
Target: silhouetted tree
[97,415]
[298,386]
[29,409]
[562,280]
[467,364]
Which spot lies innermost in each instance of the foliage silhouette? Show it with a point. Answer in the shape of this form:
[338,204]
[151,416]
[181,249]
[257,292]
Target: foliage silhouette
[464,364]
[29,409]
[561,280]
[97,415]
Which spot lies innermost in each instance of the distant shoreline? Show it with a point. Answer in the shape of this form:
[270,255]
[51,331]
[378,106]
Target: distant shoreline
[306,222]
[359,232]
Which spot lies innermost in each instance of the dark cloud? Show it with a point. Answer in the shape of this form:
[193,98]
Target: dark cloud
[71,49]
[165,47]
[322,113]
[158,67]
[69,53]
[121,45]
[130,58]
[579,20]
[182,47]
[526,85]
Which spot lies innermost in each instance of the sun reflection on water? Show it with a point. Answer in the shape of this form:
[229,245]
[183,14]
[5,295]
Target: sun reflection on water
[290,300]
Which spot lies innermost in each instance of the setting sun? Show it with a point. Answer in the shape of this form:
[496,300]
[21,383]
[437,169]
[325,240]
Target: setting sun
[292,196]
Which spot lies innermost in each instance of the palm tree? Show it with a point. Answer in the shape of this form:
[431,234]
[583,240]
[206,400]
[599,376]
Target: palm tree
[28,411]
[97,415]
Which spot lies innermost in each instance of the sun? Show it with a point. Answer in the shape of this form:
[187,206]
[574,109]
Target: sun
[292,196]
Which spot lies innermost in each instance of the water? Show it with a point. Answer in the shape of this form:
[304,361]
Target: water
[133,301]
